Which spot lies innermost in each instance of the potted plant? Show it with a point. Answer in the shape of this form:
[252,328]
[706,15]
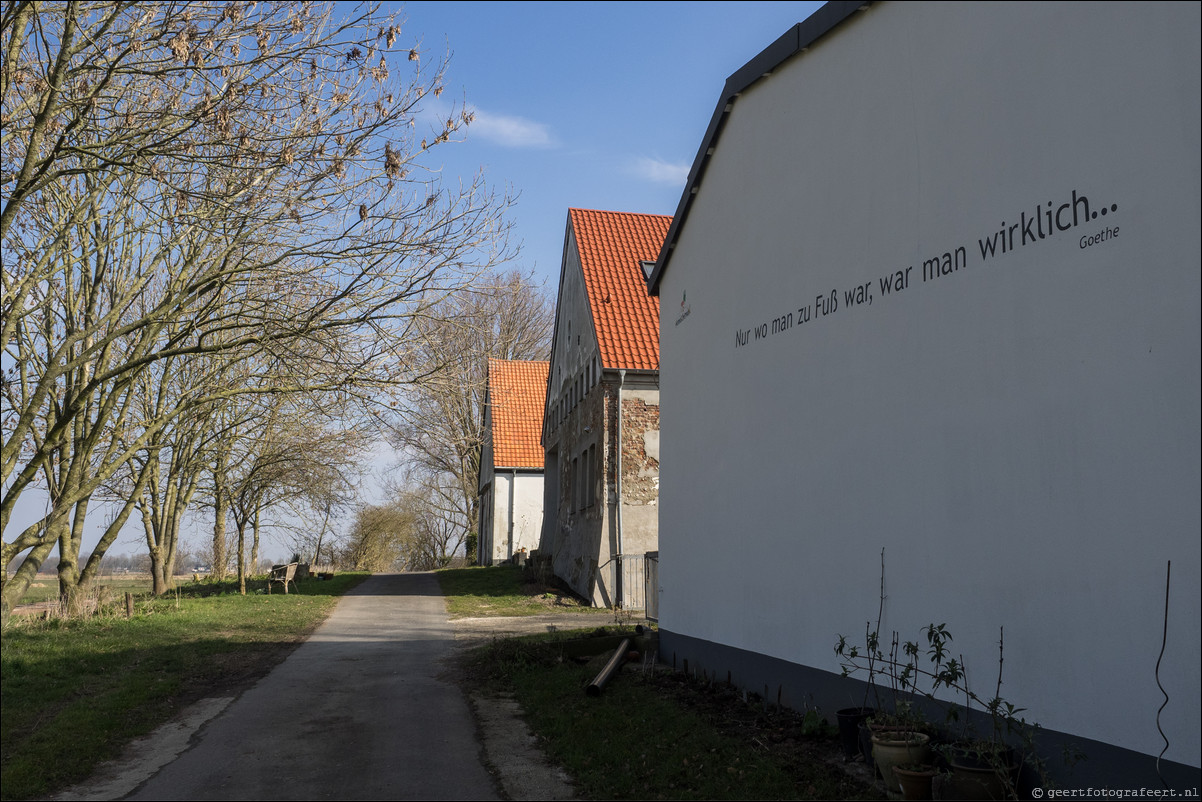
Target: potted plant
[988,767]
[980,770]
[983,767]
[896,734]
[916,779]
[892,748]
[852,720]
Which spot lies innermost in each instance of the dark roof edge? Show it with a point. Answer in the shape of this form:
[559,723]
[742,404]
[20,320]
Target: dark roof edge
[795,40]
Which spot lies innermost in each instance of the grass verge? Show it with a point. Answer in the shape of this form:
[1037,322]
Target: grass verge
[45,588]
[661,735]
[505,590]
[75,691]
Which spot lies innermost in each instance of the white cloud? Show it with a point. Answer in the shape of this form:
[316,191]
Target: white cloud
[510,132]
[661,172]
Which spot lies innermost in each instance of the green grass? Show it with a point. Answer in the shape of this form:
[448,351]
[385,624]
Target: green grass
[75,691]
[504,590]
[661,736]
[45,588]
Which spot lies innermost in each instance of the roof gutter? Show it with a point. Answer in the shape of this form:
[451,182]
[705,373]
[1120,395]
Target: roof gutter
[796,40]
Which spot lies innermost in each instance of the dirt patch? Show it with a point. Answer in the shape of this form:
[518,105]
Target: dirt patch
[471,632]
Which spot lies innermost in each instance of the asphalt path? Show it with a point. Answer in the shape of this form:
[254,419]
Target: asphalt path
[357,712]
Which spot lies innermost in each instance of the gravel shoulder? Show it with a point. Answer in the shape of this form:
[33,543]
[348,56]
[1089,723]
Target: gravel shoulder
[471,632]
[511,751]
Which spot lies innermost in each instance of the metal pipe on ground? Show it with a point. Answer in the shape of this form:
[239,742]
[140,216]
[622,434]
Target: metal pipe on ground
[618,657]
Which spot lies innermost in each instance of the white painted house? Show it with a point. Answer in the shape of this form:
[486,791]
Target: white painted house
[935,284]
[511,460]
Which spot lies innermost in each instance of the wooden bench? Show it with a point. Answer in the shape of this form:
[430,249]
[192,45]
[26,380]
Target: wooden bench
[282,574]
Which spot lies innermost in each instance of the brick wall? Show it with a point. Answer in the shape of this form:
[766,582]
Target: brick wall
[640,469]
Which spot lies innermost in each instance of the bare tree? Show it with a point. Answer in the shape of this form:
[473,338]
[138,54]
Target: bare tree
[173,458]
[414,532]
[315,535]
[200,181]
[291,452]
[438,426]
[381,536]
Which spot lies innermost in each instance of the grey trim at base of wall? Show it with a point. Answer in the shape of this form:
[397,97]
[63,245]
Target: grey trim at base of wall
[802,687]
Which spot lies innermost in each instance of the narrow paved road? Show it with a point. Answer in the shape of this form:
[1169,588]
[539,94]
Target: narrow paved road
[357,712]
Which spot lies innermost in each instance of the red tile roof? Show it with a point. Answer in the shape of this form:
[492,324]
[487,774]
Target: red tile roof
[611,245]
[516,392]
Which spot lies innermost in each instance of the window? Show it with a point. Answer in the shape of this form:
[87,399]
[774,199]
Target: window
[573,484]
[594,472]
[582,501]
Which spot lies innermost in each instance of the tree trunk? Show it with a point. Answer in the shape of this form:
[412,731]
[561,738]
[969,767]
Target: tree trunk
[241,526]
[149,524]
[170,547]
[15,588]
[71,594]
[92,569]
[220,559]
[254,549]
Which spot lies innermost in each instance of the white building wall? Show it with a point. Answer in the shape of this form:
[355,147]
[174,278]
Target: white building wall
[1022,435]
[527,511]
[499,525]
[525,489]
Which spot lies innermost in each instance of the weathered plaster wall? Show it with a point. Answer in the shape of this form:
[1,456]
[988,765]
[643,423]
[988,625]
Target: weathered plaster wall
[581,427]
[640,471]
[572,404]
[574,423]
[579,530]
[586,540]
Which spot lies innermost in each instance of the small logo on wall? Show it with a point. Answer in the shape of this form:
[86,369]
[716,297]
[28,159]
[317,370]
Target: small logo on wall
[684,310]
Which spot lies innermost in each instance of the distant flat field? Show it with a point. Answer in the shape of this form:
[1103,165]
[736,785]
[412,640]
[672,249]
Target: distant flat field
[45,587]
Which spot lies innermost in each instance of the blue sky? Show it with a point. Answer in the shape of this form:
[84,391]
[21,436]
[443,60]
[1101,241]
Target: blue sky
[589,105]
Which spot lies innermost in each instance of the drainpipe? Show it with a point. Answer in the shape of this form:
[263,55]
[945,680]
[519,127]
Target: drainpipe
[513,480]
[620,596]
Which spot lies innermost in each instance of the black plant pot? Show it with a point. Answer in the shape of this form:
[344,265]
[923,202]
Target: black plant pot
[850,719]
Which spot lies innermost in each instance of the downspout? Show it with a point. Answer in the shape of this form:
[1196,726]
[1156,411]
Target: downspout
[620,596]
[513,478]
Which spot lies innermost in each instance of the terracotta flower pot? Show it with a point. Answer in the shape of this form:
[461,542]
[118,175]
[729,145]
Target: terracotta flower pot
[898,748]
[915,783]
[980,774]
